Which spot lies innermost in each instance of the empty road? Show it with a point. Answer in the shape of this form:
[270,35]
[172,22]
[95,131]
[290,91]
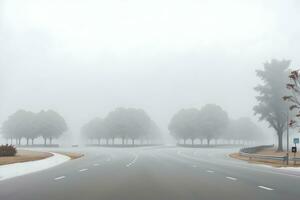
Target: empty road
[154,173]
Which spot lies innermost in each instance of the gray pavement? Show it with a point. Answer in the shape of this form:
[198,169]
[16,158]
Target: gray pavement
[154,173]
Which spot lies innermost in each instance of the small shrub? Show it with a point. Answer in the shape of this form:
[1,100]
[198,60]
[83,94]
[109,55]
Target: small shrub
[7,150]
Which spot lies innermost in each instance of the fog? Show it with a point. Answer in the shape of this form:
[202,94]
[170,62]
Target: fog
[86,58]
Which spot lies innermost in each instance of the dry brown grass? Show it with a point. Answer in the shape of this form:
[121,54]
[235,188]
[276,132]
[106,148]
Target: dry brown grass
[271,152]
[24,156]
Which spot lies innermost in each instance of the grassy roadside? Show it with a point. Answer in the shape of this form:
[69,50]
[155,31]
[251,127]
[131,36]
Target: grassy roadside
[271,152]
[24,156]
[28,155]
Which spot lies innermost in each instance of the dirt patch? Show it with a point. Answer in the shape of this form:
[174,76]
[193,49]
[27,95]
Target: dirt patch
[24,156]
[273,163]
[72,155]
[273,152]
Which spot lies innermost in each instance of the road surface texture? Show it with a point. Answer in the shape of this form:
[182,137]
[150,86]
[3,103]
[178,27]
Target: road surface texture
[154,173]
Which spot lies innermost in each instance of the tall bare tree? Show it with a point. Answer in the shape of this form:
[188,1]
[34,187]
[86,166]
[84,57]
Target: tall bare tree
[294,86]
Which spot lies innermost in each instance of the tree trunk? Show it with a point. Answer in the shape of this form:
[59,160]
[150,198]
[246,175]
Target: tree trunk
[279,134]
[192,142]
[184,141]
[208,142]
[32,141]
[106,141]
[123,140]
[27,140]
[45,141]
[133,142]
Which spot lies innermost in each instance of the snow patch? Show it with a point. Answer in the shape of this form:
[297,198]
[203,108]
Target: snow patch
[19,169]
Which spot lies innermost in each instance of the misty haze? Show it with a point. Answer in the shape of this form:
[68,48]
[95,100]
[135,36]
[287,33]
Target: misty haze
[149,100]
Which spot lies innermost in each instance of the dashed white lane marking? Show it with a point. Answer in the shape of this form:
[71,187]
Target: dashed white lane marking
[238,166]
[96,164]
[231,178]
[133,161]
[210,171]
[83,170]
[60,177]
[265,188]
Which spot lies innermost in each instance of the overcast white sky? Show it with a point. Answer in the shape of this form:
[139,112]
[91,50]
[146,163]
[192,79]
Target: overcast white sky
[85,58]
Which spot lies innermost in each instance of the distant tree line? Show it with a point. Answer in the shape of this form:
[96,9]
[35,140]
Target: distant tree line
[125,124]
[211,122]
[242,131]
[25,124]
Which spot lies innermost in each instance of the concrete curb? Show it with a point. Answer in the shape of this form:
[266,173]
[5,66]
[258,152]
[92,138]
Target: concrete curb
[20,169]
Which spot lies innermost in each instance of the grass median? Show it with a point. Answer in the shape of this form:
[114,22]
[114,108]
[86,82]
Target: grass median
[269,152]
[24,156]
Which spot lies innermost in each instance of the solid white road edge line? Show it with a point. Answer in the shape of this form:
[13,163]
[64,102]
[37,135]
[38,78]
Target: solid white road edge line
[265,188]
[83,170]
[60,177]
[209,171]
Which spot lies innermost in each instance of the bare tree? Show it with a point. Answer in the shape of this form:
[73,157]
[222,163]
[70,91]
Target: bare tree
[293,98]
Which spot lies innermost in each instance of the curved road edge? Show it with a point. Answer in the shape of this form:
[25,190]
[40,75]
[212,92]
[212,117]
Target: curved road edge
[20,169]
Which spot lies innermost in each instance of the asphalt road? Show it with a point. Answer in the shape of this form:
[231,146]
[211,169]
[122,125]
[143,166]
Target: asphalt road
[154,173]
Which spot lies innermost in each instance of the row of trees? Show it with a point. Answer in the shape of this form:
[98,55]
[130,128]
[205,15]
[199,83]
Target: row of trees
[25,124]
[211,122]
[242,129]
[124,124]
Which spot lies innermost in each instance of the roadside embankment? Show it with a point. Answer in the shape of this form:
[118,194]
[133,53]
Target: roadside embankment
[267,156]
